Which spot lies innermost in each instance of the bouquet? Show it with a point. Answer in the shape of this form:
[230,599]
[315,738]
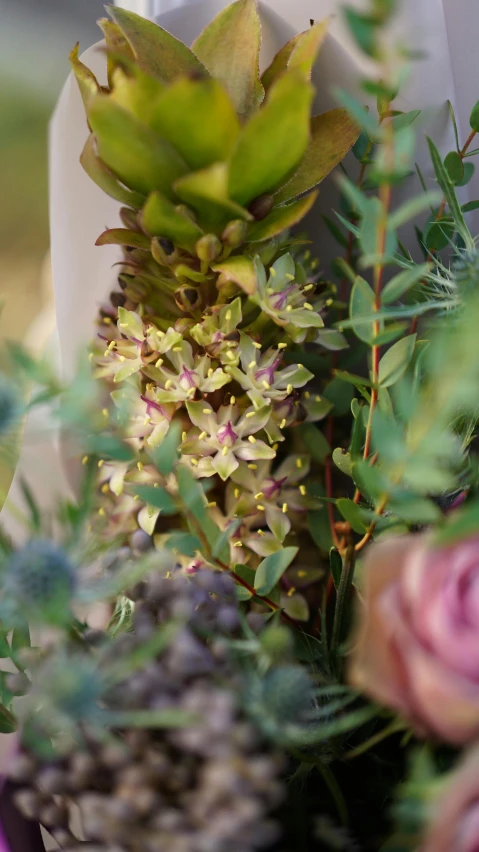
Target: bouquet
[257,621]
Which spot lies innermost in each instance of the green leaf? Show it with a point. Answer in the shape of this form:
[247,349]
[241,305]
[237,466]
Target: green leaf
[186,113]
[87,82]
[247,574]
[193,497]
[454,124]
[439,233]
[137,155]
[462,524]
[351,512]
[206,192]
[340,395]
[273,142]
[160,218]
[450,195]
[474,117]
[158,52]
[469,169]
[158,498]
[358,381]
[402,282]
[342,460]
[20,638]
[331,339]
[454,167]
[240,269]
[361,303]
[395,361]
[229,48]
[358,112]
[124,237]
[106,180]
[335,231]
[471,205]
[8,723]
[400,312]
[306,48]
[405,119]
[184,543]
[271,569]
[363,28]
[106,446]
[412,208]
[336,565]
[33,507]
[165,456]
[315,442]
[281,218]
[332,135]
[390,333]
[414,509]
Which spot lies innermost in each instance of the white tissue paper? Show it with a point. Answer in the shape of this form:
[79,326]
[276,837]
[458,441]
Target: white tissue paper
[445,30]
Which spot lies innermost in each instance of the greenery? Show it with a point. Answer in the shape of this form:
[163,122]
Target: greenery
[267,429]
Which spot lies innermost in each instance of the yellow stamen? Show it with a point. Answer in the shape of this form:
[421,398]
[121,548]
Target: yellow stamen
[269,291]
[285,508]
[84,460]
[159,362]
[302,573]
[191,393]
[283,423]
[289,276]
[261,533]
[329,302]
[317,398]
[140,465]
[299,463]
[202,436]
[256,345]
[228,316]
[101,462]
[272,272]
[251,365]
[307,395]
[302,490]
[183,436]
[224,451]
[289,389]
[105,488]
[194,462]
[250,414]
[231,355]
[275,448]
[168,384]
[177,348]
[211,505]
[232,400]
[101,512]
[289,308]
[156,485]
[210,372]
[260,507]
[107,320]
[91,356]
[236,493]
[266,384]
[308,287]
[122,358]
[259,495]
[105,412]
[252,439]
[106,353]
[300,366]
[291,592]
[253,466]
[206,411]
[308,306]
[238,544]
[282,345]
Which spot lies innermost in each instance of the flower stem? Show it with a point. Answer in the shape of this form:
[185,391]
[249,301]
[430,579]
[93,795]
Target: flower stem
[345,583]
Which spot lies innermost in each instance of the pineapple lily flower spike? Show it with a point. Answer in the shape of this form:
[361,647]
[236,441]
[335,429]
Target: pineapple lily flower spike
[212,164]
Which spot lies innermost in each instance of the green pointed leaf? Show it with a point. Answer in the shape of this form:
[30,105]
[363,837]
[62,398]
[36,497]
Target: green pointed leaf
[271,569]
[274,141]
[333,135]
[363,28]
[469,169]
[412,208]
[474,117]
[450,195]
[229,48]
[158,498]
[439,234]
[157,51]
[199,120]
[137,155]
[87,82]
[160,218]
[342,460]
[351,512]
[300,53]
[118,47]
[281,218]
[395,361]
[336,565]
[123,237]
[135,92]
[99,174]
[401,283]
[241,270]
[361,304]
[207,192]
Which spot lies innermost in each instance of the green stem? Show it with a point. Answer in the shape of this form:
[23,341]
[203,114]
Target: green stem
[393,728]
[345,583]
[330,780]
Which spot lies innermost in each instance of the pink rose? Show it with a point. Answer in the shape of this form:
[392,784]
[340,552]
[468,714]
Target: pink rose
[455,817]
[417,638]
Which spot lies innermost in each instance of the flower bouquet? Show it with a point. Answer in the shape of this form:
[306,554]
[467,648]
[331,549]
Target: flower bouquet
[257,621]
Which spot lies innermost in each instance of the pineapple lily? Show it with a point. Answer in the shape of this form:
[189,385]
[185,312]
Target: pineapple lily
[212,168]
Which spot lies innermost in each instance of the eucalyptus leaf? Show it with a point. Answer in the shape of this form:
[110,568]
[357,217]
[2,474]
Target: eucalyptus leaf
[402,282]
[351,512]
[271,569]
[395,361]
[342,460]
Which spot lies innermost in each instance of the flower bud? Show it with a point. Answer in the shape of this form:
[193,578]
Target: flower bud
[235,233]
[137,290]
[117,299]
[225,286]
[261,206]
[129,218]
[188,298]
[163,251]
[208,247]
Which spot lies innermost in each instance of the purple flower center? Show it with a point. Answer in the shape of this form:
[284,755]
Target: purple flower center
[227,434]
[268,372]
[188,378]
[274,487]
[278,300]
[151,405]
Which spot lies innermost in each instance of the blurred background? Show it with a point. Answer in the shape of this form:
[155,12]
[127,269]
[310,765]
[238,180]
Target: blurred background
[36,37]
